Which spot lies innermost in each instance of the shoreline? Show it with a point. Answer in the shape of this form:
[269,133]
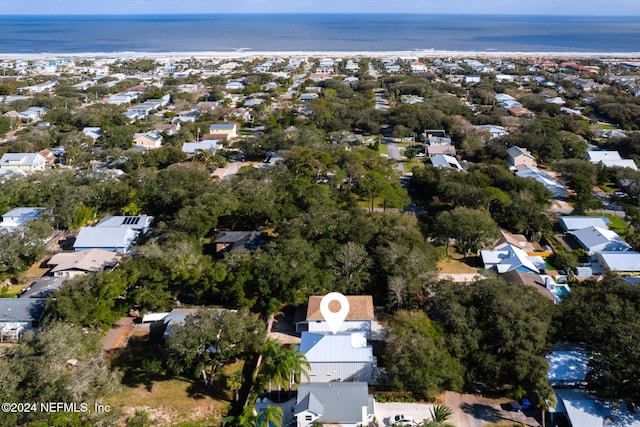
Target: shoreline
[339,54]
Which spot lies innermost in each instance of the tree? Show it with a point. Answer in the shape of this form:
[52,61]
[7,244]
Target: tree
[90,300]
[498,331]
[271,416]
[210,338]
[280,365]
[234,383]
[605,316]
[440,414]
[62,363]
[350,263]
[417,359]
[471,228]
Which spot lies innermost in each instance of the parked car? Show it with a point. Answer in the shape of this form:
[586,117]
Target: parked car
[399,420]
[520,405]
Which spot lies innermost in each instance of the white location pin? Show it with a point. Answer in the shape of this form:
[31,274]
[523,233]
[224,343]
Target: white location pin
[334,319]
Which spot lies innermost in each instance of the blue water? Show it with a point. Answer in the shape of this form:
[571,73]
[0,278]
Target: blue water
[286,32]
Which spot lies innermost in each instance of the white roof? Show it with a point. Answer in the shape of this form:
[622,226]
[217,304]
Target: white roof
[105,237]
[557,189]
[336,348]
[620,261]
[445,161]
[137,222]
[598,156]
[568,366]
[584,410]
[504,97]
[154,317]
[192,147]
[622,163]
[571,223]
[508,258]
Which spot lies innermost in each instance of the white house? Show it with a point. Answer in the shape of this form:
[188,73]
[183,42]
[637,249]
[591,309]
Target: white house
[572,223]
[27,162]
[118,239]
[624,263]
[596,156]
[596,239]
[359,319]
[345,404]
[123,98]
[509,258]
[92,132]
[138,222]
[502,97]
[18,217]
[210,146]
[445,161]
[19,315]
[340,357]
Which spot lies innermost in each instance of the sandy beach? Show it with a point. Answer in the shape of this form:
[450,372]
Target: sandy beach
[315,54]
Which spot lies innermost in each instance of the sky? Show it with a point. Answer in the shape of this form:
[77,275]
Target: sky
[490,7]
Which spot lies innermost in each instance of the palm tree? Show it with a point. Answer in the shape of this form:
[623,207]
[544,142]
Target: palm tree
[440,415]
[234,383]
[271,416]
[546,399]
[280,364]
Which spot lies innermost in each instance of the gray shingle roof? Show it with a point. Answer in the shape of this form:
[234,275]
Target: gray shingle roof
[22,309]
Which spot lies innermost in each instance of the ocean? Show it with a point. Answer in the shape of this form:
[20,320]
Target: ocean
[316,32]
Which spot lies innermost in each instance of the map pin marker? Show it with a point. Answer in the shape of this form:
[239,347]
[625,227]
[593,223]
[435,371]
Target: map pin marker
[334,319]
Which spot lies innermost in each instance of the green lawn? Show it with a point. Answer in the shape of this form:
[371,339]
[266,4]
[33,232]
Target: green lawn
[606,126]
[616,223]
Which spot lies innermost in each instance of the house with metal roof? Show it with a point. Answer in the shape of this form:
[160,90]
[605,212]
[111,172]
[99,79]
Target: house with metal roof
[597,239]
[210,146]
[340,357]
[624,263]
[117,239]
[557,189]
[23,161]
[346,404]
[226,128]
[572,223]
[135,222]
[510,257]
[445,161]
[18,217]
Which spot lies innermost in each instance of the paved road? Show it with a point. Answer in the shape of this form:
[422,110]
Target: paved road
[394,153]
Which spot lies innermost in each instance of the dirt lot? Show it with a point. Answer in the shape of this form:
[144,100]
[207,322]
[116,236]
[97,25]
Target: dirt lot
[471,410]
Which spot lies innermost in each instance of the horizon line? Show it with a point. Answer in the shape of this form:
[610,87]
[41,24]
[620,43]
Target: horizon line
[600,15]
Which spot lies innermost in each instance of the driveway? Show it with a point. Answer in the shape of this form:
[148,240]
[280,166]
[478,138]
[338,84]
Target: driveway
[470,410]
[386,411]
